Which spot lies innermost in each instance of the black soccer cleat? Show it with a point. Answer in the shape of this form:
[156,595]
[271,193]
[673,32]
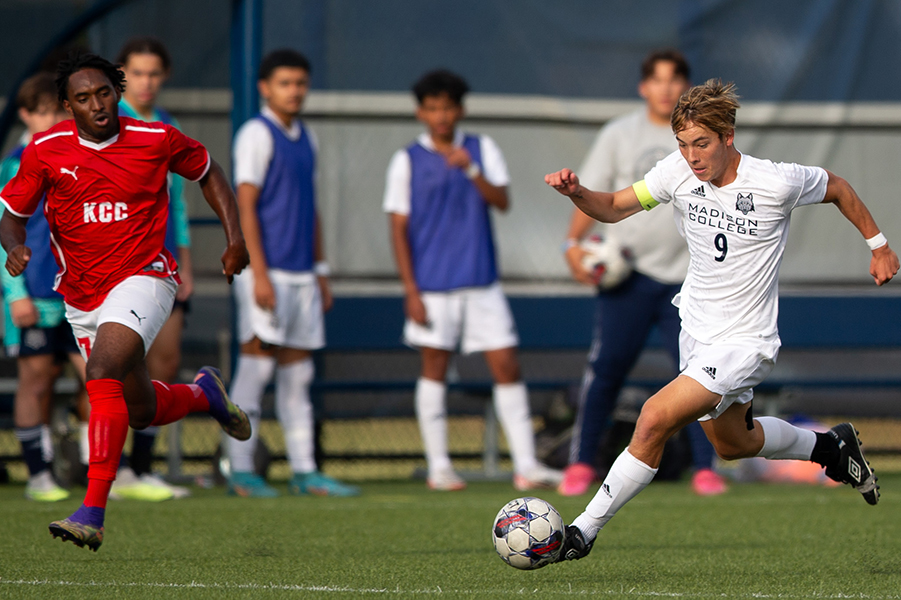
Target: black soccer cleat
[852,468]
[574,545]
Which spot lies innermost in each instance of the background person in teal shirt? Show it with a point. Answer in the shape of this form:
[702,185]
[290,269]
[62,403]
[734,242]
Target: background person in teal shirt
[146,63]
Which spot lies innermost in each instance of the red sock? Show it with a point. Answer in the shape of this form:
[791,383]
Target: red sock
[107,428]
[175,401]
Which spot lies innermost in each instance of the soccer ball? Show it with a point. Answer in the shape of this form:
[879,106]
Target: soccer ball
[608,262]
[528,533]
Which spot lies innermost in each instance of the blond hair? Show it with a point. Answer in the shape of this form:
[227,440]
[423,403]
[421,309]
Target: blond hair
[711,105]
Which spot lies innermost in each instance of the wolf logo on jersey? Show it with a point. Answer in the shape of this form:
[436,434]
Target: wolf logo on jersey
[745,203]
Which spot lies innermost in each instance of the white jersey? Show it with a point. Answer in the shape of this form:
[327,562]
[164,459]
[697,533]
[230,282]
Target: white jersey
[624,150]
[736,237]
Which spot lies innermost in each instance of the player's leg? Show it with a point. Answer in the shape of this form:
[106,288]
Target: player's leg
[704,481]
[36,375]
[623,319]
[683,400]
[436,341]
[489,328]
[163,361]
[737,434]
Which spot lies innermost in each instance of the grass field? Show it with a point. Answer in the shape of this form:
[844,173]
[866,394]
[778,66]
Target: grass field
[400,540]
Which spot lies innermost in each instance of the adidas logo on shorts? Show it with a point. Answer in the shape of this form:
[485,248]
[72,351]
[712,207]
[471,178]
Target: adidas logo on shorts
[710,371]
[698,192]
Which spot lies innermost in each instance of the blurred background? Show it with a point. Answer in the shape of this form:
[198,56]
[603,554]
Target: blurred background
[818,87]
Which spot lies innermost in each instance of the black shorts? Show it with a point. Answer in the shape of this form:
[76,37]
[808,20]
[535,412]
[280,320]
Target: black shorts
[58,341]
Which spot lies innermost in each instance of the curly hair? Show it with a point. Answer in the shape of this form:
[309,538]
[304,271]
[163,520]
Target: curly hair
[711,105]
[78,61]
[441,81]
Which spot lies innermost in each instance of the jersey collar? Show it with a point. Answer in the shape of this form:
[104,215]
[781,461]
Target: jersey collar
[293,132]
[425,140]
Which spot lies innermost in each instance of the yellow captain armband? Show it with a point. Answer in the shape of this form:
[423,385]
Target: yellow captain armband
[644,195]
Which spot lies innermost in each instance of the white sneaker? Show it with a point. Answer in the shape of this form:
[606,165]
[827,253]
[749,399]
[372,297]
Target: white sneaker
[129,486]
[538,477]
[157,481]
[446,481]
[43,488]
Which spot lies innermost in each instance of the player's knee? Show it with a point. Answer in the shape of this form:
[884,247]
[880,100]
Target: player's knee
[731,450]
[139,420]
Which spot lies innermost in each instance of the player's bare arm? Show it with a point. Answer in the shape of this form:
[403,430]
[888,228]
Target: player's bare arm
[884,263]
[414,307]
[219,196]
[322,278]
[495,195]
[579,226]
[263,292]
[12,238]
[606,207]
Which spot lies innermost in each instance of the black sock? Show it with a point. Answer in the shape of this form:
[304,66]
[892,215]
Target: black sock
[142,452]
[825,451]
[32,450]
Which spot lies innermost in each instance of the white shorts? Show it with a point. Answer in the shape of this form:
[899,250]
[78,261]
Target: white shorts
[730,369]
[141,302]
[476,319]
[297,319]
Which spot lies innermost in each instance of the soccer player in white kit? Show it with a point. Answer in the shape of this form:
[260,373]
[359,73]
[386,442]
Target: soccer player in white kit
[733,211]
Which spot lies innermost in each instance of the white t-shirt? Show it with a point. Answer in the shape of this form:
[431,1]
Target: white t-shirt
[397,185]
[624,150]
[253,147]
[736,237]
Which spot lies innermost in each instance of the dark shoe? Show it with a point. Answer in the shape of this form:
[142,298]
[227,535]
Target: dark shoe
[80,534]
[574,545]
[852,468]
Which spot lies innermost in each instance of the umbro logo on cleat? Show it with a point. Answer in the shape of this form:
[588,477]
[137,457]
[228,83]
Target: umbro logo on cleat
[698,192]
[854,469]
[710,371]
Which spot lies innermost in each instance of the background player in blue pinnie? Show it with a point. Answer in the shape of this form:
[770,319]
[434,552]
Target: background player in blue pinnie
[281,298]
[36,331]
[438,195]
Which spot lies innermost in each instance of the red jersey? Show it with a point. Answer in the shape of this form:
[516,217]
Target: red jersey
[107,204]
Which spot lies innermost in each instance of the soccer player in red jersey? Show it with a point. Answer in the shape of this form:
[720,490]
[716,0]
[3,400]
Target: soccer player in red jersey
[105,179]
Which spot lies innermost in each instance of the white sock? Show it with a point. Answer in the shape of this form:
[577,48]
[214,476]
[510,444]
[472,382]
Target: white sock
[252,375]
[84,448]
[431,412]
[511,402]
[295,413]
[626,478]
[782,440]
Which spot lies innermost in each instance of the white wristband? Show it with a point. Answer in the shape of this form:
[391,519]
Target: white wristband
[322,269]
[877,241]
[473,170]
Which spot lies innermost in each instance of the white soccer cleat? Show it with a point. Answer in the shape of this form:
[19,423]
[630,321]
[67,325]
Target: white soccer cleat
[538,477]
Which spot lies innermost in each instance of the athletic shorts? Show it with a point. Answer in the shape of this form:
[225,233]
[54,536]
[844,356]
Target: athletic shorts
[297,320]
[142,303]
[475,319]
[40,341]
[731,368]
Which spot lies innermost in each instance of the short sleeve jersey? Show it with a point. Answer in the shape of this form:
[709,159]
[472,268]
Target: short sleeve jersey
[736,237]
[107,203]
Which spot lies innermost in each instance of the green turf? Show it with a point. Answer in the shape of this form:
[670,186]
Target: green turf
[399,540]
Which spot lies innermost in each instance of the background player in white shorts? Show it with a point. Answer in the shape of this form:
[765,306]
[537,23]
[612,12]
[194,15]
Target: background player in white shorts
[282,296]
[733,211]
[438,194]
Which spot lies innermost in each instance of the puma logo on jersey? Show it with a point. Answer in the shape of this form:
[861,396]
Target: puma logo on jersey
[105,212]
[698,192]
[64,171]
[710,371]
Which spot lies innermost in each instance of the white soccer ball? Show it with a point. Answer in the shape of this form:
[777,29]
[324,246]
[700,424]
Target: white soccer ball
[608,262]
[528,533]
